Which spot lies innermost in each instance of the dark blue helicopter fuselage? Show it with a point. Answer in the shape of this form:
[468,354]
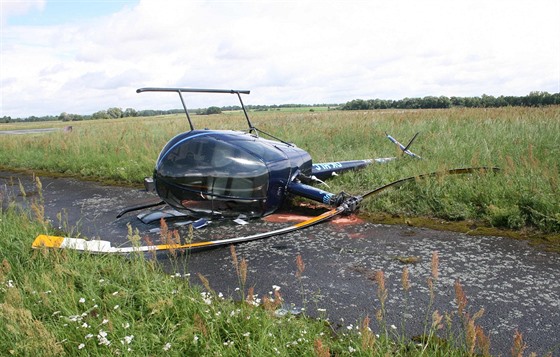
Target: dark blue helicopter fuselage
[227,171]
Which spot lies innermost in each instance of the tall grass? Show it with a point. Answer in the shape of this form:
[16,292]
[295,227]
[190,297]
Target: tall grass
[522,141]
[55,303]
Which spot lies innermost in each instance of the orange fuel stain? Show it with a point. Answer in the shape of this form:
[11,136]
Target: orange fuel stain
[287,217]
[347,220]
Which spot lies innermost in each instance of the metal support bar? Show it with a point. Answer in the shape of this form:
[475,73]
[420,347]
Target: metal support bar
[251,127]
[195,90]
[192,90]
[186,111]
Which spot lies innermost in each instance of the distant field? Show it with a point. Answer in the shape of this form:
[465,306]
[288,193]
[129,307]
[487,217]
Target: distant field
[524,142]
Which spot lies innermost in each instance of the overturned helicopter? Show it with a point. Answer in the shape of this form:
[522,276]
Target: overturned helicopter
[225,173]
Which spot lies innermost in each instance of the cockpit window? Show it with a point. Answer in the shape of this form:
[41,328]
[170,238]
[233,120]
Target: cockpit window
[267,152]
[210,166]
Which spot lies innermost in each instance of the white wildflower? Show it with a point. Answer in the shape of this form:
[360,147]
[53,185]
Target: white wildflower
[275,287]
[102,338]
[126,325]
[167,346]
[247,334]
[81,345]
[116,307]
[351,349]
[393,327]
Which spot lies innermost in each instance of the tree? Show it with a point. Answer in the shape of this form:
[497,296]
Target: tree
[64,116]
[130,112]
[115,113]
[213,110]
[102,114]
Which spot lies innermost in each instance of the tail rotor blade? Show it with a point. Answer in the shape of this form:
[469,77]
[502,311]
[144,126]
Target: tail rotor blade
[411,141]
[405,149]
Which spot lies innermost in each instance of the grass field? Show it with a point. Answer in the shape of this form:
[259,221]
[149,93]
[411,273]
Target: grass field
[65,303]
[524,142]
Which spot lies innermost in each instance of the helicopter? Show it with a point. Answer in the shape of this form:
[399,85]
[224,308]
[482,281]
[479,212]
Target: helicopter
[227,173]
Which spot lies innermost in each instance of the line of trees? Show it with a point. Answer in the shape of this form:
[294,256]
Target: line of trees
[534,99]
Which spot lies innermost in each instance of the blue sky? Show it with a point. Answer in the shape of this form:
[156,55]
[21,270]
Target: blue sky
[56,12]
[84,56]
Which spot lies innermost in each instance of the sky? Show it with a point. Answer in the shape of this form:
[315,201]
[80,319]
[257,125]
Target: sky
[83,56]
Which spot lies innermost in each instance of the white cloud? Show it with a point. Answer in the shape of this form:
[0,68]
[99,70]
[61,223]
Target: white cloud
[284,51]
[19,7]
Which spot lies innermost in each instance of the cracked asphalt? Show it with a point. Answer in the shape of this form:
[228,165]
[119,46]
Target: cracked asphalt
[517,285]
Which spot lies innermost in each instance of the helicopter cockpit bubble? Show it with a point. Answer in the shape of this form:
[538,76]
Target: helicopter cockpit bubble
[205,173]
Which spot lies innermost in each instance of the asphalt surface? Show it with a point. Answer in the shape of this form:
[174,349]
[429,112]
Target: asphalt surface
[518,286]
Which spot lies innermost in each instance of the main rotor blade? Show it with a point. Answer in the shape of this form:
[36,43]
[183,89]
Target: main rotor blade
[467,170]
[103,246]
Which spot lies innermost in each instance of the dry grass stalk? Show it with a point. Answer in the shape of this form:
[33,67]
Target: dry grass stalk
[5,269]
[367,336]
[471,336]
[405,279]
[250,296]
[200,326]
[483,341]
[381,290]
[300,266]
[243,271]
[518,345]
[169,237]
[436,320]
[234,258]
[460,297]
[272,304]
[320,349]
[435,265]
[205,282]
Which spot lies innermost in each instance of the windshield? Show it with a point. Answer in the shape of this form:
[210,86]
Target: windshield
[208,165]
